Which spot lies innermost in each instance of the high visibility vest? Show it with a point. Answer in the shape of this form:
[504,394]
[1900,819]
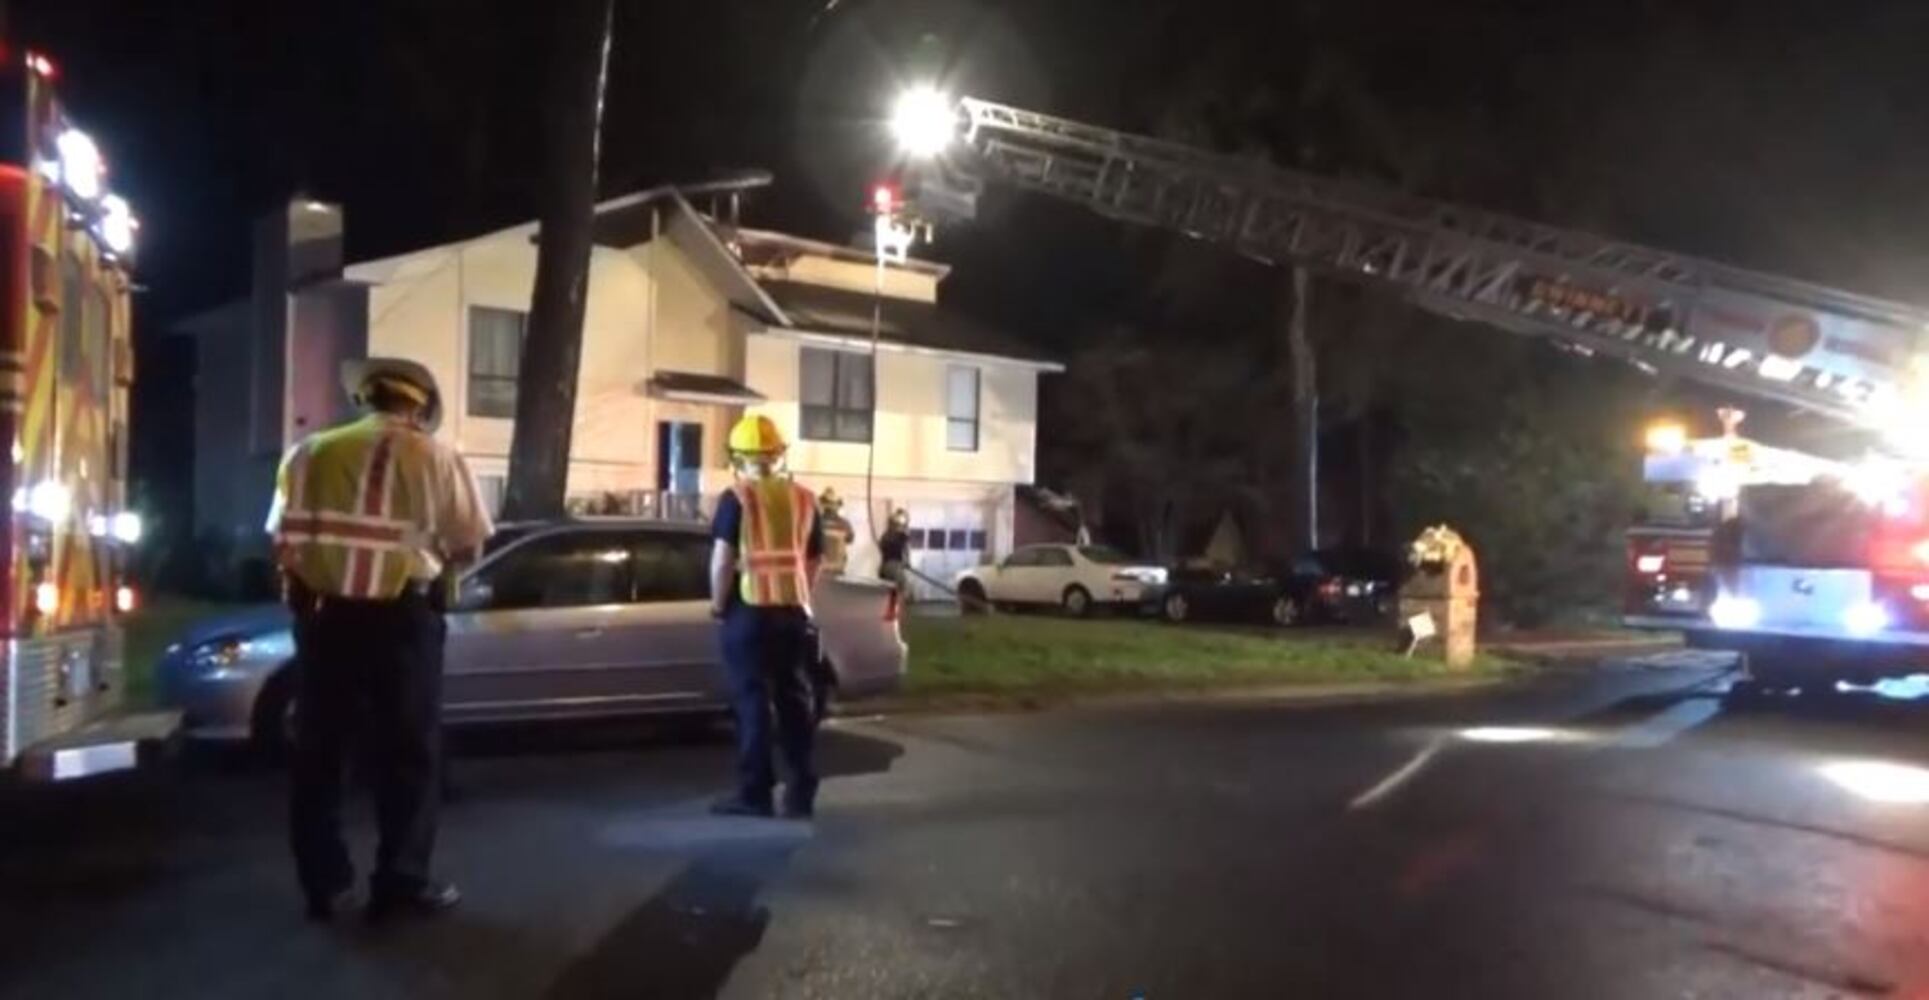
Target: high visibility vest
[355,509]
[773,544]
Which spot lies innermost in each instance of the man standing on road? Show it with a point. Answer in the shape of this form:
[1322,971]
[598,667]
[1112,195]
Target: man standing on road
[769,541]
[367,517]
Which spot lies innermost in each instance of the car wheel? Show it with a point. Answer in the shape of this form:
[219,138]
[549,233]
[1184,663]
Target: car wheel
[972,599]
[1077,601]
[276,718]
[1176,608]
[1286,612]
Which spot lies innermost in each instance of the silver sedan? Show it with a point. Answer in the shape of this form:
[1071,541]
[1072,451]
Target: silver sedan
[562,620]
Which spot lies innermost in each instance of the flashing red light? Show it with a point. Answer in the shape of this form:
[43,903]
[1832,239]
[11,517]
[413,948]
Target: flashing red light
[1651,563]
[884,198]
[40,64]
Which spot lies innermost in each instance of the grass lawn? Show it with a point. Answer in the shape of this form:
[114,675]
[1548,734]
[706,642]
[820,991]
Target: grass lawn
[1012,654]
[148,631]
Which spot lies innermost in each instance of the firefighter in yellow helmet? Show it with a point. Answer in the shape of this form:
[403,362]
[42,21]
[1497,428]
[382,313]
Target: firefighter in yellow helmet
[837,532]
[366,516]
[769,542]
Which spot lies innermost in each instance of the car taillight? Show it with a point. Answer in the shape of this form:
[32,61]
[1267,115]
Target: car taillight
[1651,563]
[1329,588]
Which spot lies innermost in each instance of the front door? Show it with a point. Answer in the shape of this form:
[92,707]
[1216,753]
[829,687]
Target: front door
[679,467]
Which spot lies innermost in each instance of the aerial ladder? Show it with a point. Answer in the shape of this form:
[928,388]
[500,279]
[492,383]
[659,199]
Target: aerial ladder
[1848,356]
[1862,610]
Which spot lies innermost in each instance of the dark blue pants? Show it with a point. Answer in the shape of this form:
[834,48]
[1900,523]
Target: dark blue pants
[766,652]
[373,668]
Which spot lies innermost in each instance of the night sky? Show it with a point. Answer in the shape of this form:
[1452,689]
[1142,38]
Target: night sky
[1780,134]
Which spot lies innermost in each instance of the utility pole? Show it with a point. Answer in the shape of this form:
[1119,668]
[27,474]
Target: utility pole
[552,347]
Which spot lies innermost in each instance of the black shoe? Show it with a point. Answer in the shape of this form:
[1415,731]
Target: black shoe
[737,805]
[428,900]
[321,909]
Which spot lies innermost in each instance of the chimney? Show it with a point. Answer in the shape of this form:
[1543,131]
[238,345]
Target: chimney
[296,244]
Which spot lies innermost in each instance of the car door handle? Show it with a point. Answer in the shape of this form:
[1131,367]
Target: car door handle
[589,633]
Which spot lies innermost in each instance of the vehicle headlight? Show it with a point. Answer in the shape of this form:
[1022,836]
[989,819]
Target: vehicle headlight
[216,659]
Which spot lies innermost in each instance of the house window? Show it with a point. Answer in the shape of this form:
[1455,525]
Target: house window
[495,357]
[961,408]
[837,395]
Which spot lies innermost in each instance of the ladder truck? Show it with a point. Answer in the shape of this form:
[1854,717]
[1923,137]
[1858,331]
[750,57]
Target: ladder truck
[1732,570]
[66,364]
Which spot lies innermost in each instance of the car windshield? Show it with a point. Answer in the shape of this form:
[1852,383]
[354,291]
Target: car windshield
[1104,555]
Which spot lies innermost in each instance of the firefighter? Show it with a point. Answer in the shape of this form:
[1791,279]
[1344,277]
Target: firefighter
[367,517]
[769,541]
[894,548]
[837,531]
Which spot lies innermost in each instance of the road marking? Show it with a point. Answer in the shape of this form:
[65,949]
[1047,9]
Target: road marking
[1662,727]
[1389,784]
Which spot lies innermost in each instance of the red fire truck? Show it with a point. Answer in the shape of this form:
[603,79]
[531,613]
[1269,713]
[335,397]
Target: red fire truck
[66,362]
[1816,569]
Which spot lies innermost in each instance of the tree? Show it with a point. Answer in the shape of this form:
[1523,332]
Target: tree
[1150,418]
[553,347]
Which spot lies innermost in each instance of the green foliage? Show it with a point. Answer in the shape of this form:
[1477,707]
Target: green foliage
[1532,455]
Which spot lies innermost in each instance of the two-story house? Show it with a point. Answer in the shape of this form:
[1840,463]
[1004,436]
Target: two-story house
[691,322]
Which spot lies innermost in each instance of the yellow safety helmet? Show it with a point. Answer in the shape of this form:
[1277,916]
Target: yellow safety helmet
[757,435]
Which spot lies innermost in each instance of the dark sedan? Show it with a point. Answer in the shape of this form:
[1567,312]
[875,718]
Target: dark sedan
[1336,587]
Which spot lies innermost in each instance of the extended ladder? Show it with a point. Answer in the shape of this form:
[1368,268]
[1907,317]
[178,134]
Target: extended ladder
[1846,355]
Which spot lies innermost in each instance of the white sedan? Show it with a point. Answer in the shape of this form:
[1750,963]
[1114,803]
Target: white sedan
[1076,578]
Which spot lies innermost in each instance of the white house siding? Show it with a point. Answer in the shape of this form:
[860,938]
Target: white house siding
[942,489]
[422,313]
[909,425]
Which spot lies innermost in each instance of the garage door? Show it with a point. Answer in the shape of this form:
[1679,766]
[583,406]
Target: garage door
[946,539]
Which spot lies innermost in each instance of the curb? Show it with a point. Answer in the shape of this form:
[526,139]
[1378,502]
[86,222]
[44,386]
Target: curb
[982,703]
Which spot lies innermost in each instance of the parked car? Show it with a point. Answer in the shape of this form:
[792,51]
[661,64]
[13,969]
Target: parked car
[1074,578]
[559,620]
[1334,587]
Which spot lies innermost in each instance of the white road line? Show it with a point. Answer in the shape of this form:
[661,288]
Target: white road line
[1661,727]
[1389,784]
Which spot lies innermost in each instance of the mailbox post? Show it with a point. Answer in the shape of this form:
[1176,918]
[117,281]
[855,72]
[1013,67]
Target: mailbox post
[1441,600]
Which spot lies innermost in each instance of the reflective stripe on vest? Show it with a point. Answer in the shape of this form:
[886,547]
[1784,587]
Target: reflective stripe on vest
[347,512]
[774,543]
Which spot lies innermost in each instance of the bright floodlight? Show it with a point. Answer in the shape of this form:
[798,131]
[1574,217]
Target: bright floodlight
[117,224]
[1668,438]
[80,164]
[923,121]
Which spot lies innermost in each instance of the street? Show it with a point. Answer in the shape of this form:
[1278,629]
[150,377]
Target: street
[1621,831]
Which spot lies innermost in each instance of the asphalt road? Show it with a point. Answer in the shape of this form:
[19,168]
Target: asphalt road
[1625,832]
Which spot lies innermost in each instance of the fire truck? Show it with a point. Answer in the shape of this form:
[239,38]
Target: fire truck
[1803,564]
[1816,569]
[66,363]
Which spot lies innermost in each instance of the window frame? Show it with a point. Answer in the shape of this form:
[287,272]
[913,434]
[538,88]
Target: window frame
[952,421]
[472,377]
[548,546]
[820,421]
[666,541]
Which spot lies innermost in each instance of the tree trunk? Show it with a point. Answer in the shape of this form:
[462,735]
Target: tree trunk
[553,346]
[1302,506]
